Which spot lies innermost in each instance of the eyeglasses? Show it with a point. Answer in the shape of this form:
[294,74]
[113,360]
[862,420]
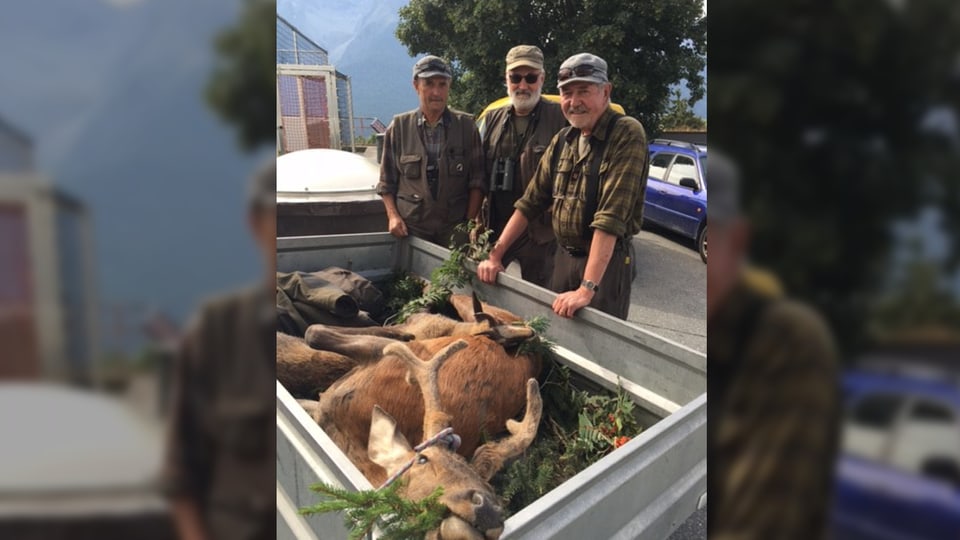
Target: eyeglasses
[531,78]
[583,70]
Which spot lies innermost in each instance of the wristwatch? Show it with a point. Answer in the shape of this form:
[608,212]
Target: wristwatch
[591,286]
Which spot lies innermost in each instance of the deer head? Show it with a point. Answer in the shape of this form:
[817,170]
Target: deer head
[474,509]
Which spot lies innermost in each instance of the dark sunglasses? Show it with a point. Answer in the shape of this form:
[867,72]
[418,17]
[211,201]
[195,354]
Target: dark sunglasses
[583,70]
[531,78]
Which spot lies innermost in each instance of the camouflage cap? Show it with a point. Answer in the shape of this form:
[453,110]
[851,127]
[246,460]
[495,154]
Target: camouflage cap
[431,66]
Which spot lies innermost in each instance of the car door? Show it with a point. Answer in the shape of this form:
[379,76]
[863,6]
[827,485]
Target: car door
[653,202]
[683,209]
[898,475]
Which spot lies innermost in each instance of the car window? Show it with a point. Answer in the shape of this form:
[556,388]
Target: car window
[703,165]
[929,411]
[876,411]
[659,164]
[683,167]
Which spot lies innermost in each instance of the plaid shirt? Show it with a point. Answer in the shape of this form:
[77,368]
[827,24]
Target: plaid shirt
[773,412]
[620,202]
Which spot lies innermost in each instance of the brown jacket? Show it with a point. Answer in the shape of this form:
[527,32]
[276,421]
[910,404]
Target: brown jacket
[403,170]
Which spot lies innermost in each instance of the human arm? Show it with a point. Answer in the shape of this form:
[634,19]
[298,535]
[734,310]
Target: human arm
[487,270]
[601,251]
[388,185]
[395,223]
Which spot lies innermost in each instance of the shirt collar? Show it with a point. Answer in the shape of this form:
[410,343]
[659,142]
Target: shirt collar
[444,118]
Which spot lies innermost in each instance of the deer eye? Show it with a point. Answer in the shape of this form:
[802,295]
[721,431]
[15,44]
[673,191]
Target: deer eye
[422,459]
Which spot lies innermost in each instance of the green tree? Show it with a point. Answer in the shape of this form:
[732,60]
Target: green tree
[823,107]
[242,87]
[648,45]
[680,115]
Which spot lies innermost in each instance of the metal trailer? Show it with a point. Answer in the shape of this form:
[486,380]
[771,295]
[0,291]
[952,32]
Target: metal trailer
[645,489]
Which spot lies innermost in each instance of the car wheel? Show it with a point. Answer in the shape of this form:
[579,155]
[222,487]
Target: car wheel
[702,242]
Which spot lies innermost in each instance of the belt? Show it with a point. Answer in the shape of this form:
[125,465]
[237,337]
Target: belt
[622,243]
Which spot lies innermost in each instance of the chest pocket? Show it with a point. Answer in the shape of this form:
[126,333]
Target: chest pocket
[456,162]
[242,427]
[410,165]
[564,180]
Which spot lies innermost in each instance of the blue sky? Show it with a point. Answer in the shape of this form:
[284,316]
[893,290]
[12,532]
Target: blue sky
[111,92]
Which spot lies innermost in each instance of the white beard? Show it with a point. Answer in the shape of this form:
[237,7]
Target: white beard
[523,103]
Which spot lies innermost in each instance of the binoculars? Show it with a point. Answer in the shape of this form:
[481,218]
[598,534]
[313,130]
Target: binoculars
[502,175]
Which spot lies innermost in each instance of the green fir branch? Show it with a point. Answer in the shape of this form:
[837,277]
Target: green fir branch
[394,516]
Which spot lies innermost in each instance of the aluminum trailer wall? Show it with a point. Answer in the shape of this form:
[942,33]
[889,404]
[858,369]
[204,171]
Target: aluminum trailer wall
[644,490]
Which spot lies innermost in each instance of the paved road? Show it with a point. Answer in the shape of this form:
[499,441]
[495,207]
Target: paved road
[669,295]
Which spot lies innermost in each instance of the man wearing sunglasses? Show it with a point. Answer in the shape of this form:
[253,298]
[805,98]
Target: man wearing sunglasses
[593,177]
[515,137]
[431,171]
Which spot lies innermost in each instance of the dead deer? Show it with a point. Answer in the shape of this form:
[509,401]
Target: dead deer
[475,513]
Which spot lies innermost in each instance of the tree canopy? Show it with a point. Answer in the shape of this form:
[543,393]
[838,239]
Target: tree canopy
[648,45]
[680,115]
[826,109]
[242,87]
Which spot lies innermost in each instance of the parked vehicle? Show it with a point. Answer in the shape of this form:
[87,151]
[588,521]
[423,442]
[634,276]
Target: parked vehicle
[898,472]
[676,196]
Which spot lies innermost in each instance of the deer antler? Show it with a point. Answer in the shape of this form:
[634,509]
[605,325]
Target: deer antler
[426,373]
[489,458]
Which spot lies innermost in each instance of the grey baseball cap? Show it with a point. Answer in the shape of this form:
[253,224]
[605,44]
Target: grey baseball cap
[584,67]
[432,66]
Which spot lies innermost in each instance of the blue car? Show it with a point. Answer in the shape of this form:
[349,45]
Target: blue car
[676,196]
[898,471]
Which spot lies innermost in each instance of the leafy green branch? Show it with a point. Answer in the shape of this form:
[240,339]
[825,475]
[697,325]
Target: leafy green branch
[396,518]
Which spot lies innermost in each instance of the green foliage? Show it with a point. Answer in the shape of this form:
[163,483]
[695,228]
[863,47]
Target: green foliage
[242,87]
[396,517]
[450,275]
[647,45]
[680,115]
[579,427]
[540,345]
[403,288]
[826,113]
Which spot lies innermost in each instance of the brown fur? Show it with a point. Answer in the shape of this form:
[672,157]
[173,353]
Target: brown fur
[304,371]
[481,387]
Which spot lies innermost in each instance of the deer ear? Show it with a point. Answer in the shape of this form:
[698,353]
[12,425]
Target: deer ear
[387,447]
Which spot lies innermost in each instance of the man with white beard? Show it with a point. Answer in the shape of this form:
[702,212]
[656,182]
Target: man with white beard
[515,137]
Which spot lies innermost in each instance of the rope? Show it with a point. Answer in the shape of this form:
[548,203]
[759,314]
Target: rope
[446,436]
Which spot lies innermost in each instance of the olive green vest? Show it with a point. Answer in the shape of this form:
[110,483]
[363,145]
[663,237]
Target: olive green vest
[415,203]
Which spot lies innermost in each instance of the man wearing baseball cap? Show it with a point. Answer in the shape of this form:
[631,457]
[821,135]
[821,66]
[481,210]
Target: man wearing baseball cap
[431,172]
[593,177]
[515,137]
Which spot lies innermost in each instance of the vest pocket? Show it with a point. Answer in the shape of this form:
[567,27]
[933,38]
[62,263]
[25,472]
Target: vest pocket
[457,163]
[457,208]
[410,165]
[410,206]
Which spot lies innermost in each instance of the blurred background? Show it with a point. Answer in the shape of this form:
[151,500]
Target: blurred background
[128,132]
[843,119]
